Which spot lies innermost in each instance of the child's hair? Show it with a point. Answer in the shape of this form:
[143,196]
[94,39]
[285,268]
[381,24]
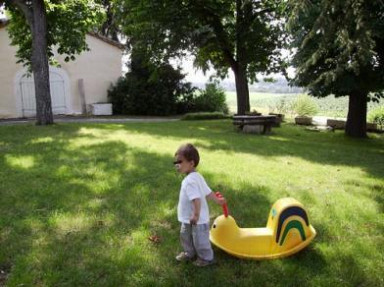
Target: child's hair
[189,152]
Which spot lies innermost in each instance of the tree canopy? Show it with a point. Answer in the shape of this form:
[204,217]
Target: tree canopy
[240,35]
[37,27]
[67,24]
[340,50]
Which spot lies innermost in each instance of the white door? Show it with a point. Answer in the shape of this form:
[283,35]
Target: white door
[58,93]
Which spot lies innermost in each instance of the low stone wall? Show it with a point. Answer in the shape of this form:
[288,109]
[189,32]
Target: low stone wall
[339,124]
[336,124]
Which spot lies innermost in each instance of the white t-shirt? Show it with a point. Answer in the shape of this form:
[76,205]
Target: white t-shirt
[193,186]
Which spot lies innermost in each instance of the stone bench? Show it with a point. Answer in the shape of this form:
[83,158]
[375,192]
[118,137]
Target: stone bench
[255,123]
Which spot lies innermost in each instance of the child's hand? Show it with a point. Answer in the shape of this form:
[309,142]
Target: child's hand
[221,200]
[194,219]
[218,199]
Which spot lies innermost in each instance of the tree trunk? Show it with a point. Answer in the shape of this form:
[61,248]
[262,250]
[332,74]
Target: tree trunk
[242,90]
[240,68]
[40,66]
[357,115]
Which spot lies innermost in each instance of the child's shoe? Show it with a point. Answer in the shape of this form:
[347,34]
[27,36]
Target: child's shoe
[183,257]
[202,263]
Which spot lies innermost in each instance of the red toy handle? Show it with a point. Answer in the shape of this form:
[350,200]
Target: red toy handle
[225,207]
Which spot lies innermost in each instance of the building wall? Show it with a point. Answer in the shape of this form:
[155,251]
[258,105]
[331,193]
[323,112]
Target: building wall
[8,69]
[99,68]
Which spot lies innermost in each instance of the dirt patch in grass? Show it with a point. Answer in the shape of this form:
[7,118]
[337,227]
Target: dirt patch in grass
[5,269]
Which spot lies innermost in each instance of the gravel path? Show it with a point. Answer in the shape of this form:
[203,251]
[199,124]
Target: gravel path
[93,120]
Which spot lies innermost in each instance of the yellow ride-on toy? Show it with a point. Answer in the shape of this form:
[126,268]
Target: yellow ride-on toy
[287,232]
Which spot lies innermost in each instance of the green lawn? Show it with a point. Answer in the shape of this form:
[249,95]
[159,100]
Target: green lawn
[79,201]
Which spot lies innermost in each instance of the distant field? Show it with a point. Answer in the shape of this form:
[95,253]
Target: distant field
[265,103]
[262,102]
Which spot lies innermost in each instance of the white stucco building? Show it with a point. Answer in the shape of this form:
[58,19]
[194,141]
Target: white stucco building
[74,86]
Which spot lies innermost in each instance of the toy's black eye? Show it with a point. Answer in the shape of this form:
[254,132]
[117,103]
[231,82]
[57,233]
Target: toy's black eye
[214,226]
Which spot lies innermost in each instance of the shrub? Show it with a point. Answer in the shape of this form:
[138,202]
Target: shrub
[204,116]
[211,99]
[304,105]
[282,106]
[377,116]
[149,90]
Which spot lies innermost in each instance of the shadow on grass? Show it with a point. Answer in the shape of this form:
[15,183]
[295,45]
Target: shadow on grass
[323,148]
[251,211]
[80,214]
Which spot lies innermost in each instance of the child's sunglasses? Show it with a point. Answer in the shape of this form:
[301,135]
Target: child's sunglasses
[177,162]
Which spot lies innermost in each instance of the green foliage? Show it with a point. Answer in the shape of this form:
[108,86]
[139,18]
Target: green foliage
[338,50]
[243,33]
[110,27]
[204,116]
[153,90]
[305,106]
[339,46]
[218,33]
[67,24]
[211,99]
[213,31]
[149,90]
[243,36]
[377,116]
[281,106]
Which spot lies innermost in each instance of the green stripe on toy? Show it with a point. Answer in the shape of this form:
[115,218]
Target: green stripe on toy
[293,224]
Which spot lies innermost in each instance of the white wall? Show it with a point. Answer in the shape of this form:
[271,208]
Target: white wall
[8,69]
[99,68]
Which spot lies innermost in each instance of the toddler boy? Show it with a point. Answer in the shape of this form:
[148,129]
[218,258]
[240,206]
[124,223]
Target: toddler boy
[192,210]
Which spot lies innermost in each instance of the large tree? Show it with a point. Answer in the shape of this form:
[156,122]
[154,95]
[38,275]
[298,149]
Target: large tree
[39,26]
[241,35]
[340,50]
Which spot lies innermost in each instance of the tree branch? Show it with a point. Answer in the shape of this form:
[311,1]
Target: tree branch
[23,7]
[218,29]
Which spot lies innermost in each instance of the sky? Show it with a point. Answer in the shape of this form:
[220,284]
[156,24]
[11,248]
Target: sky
[2,15]
[195,75]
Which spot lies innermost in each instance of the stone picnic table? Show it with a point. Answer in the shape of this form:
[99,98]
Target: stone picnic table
[255,123]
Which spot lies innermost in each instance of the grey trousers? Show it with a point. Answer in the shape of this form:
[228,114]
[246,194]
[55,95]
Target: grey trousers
[195,240]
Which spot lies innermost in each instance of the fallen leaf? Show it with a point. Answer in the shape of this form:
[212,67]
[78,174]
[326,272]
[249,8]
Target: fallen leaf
[154,238]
